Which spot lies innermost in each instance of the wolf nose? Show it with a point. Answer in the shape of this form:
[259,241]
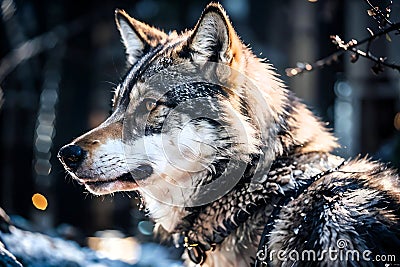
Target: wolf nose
[71,156]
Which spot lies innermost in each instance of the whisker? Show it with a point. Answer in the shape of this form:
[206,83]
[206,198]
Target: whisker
[111,83]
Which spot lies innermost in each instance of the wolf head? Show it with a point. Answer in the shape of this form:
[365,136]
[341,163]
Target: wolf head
[192,112]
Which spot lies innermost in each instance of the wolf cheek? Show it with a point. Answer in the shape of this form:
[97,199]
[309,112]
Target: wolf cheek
[190,146]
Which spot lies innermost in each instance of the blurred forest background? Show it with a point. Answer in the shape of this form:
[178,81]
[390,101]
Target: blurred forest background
[60,60]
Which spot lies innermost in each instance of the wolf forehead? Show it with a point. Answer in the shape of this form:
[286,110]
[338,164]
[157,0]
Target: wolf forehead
[167,79]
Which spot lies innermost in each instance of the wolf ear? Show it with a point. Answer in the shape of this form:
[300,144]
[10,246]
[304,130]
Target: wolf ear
[213,37]
[137,36]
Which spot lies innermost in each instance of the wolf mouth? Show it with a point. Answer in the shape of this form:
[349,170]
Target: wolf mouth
[139,173]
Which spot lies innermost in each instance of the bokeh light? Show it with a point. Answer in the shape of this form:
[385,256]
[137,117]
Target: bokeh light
[39,201]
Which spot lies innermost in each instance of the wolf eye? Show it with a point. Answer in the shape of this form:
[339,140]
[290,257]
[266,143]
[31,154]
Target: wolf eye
[147,105]
[150,103]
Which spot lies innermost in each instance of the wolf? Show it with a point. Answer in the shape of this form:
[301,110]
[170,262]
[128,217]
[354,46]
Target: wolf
[228,162]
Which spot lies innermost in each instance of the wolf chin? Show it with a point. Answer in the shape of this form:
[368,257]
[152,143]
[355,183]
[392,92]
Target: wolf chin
[226,160]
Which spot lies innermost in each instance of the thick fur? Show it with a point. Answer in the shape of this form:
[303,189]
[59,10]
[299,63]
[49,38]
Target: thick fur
[283,145]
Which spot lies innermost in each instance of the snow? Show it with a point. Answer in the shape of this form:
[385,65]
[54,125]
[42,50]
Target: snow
[38,250]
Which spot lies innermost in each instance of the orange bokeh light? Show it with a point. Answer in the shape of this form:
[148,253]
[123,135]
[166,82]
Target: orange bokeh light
[39,201]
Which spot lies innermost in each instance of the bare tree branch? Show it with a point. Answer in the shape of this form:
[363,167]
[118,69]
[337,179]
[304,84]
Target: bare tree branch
[382,18]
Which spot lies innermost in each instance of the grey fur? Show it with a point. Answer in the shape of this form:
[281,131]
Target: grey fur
[279,151]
